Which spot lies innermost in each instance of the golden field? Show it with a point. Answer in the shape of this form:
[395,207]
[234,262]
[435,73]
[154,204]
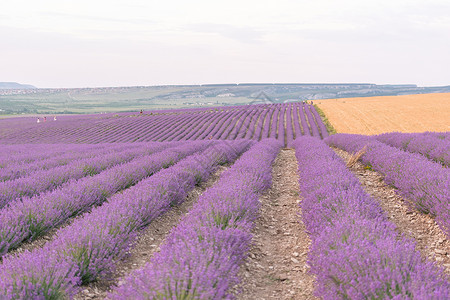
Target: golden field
[374,115]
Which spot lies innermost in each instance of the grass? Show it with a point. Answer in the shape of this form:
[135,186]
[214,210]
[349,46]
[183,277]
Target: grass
[276,278]
[356,157]
[325,120]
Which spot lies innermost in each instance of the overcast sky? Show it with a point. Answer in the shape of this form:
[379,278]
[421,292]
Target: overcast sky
[90,43]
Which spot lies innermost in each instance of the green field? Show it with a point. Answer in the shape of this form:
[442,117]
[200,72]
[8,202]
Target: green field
[122,99]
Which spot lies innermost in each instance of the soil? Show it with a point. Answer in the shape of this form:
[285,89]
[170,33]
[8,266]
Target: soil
[375,115]
[147,244]
[430,240]
[276,266]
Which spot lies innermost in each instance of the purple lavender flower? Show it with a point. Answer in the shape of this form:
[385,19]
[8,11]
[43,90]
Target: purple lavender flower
[356,252]
[430,144]
[90,247]
[32,217]
[425,184]
[201,257]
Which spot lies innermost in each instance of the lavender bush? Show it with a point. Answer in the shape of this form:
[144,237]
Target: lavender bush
[433,145]
[296,121]
[37,275]
[356,252]
[311,120]
[15,156]
[90,247]
[322,128]
[44,180]
[423,183]
[302,114]
[289,127]
[32,217]
[201,257]
[25,166]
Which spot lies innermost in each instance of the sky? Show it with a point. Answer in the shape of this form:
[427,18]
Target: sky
[96,43]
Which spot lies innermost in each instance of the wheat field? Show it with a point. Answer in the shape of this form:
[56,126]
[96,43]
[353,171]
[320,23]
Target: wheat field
[375,115]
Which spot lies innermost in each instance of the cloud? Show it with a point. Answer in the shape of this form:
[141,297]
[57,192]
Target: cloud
[237,33]
[79,17]
[205,41]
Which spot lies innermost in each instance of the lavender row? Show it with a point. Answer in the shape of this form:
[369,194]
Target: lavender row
[89,248]
[322,128]
[290,134]
[312,122]
[45,180]
[32,217]
[264,125]
[24,168]
[303,121]
[201,256]
[425,184]
[256,130]
[356,252]
[25,153]
[249,125]
[296,122]
[217,119]
[433,145]
[280,130]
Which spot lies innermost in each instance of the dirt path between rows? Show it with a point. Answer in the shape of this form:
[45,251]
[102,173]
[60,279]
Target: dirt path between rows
[276,267]
[430,239]
[148,243]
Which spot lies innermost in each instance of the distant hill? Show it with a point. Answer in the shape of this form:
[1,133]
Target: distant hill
[123,99]
[15,86]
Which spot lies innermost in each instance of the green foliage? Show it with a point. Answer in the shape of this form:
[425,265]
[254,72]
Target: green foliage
[133,99]
[89,170]
[325,120]
[369,167]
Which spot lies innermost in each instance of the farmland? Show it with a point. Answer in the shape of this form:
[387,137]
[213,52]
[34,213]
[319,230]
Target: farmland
[375,115]
[254,201]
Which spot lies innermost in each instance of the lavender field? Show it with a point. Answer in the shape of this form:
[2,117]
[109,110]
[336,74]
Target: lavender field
[173,204]
[284,122]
